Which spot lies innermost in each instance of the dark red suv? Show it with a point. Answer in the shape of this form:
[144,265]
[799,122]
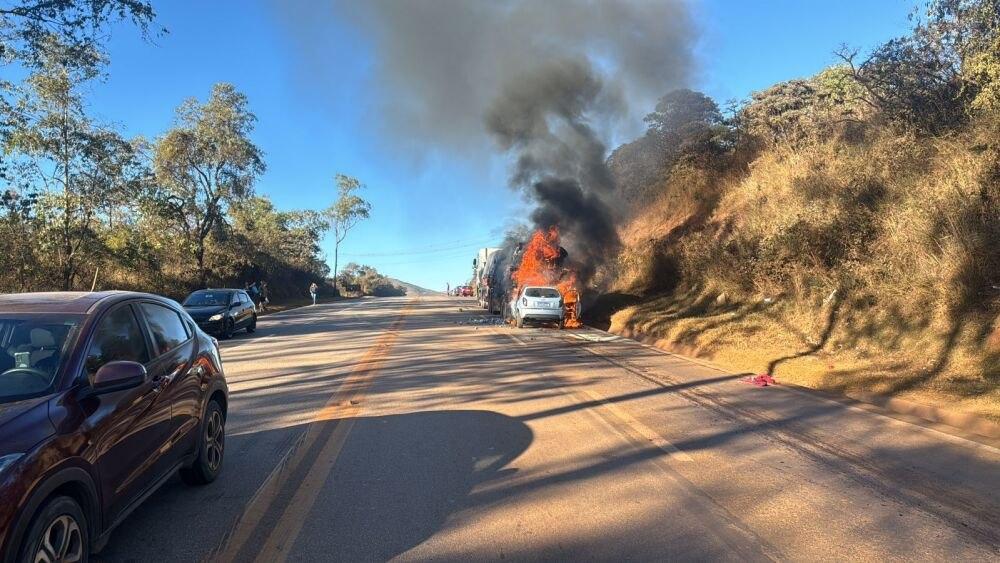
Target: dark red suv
[103,396]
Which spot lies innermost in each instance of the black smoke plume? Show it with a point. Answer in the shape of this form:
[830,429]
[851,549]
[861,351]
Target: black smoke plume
[553,81]
[542,116]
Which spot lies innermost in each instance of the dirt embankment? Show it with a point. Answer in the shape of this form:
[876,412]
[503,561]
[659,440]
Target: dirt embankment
[852,267]
[810,348]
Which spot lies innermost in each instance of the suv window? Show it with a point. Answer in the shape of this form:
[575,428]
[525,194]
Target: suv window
[165,326]
[543,292]
[118,338]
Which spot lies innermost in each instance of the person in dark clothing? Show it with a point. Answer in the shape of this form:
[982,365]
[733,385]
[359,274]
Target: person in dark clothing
[265,297]
[254,292]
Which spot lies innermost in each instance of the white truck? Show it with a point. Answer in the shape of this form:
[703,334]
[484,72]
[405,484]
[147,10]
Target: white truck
[479,274]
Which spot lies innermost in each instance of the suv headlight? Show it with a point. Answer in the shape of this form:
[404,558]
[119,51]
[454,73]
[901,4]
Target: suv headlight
[7,460]
[215,317]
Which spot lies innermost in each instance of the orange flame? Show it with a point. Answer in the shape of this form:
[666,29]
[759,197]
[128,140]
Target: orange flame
[539,266]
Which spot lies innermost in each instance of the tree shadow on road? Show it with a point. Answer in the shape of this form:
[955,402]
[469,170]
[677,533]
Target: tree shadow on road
[399,477]
[396,481]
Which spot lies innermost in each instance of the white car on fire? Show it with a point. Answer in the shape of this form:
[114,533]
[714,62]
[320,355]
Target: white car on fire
[536,303]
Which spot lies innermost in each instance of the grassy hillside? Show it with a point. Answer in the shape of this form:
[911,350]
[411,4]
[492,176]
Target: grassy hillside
[829,232]
[411,289]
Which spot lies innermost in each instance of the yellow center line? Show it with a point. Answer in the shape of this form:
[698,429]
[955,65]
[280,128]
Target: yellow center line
[286,531]
[339,407]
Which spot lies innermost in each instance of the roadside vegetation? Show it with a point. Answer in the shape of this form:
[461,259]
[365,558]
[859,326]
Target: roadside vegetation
[358,280]
[83,207]
[840,231]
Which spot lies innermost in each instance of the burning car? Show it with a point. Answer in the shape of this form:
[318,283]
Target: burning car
[538,304]
[539,263]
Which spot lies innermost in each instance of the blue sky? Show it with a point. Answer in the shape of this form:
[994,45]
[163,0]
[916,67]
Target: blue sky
[317,117]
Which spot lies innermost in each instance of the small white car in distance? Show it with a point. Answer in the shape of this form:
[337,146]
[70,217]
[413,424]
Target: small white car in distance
[537,303]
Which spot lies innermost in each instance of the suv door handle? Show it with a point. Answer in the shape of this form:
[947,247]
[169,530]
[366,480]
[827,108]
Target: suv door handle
[159,383]
[163,380]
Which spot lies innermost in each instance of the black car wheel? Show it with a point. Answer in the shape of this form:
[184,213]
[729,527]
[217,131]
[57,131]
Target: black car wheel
[58,533]
[228,327]
[207,465]
[252,327]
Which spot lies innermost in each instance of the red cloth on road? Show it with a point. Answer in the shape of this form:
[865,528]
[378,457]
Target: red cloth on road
[761,380]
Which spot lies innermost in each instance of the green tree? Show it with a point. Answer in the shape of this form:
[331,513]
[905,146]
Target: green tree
[206,163]
[784,113]
[913,80]
[279,246]
[366,280]
[346,212]
[972,28]
[680,111]
[983,71]
[930,79]
[17,231]
[76,167]
[27,26]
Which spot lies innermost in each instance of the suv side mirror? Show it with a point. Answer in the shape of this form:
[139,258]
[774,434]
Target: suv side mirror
[115,376]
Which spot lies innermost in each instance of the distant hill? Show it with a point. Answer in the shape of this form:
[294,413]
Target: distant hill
[413,289]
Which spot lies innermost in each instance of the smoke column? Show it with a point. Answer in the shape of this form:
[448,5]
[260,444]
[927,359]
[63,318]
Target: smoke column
[550,82]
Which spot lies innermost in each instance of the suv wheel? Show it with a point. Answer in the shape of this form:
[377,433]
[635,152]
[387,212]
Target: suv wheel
[208,464]
[59,532]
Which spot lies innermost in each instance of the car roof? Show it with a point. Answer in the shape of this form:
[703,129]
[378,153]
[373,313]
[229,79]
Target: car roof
[215,289]
[75,302]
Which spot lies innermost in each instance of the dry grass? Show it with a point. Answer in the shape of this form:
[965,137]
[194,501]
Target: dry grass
[787,341]
[868,266]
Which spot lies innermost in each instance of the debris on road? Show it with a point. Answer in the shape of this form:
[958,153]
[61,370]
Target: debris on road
[490,320]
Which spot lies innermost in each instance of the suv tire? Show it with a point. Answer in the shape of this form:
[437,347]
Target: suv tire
[211,448]
[59,531]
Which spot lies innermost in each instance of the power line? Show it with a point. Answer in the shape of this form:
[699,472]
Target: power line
[429,249]
[430,259]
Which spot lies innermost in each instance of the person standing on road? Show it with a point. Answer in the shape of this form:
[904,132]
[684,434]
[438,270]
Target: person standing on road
[265,298]
[254,293]
[312,291]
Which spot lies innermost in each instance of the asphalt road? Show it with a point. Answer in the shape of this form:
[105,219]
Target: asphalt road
[403,428]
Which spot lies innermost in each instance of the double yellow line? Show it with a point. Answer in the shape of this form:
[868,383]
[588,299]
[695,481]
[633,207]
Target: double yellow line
[341,407]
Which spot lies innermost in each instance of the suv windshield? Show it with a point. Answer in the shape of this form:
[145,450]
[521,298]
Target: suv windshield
[207,299]
[546,292]
[31,351]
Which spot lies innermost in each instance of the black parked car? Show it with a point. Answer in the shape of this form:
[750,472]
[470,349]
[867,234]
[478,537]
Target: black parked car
[222,311]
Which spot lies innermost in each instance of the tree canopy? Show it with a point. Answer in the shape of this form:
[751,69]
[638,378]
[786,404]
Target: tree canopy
[206,164]
[346,212]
